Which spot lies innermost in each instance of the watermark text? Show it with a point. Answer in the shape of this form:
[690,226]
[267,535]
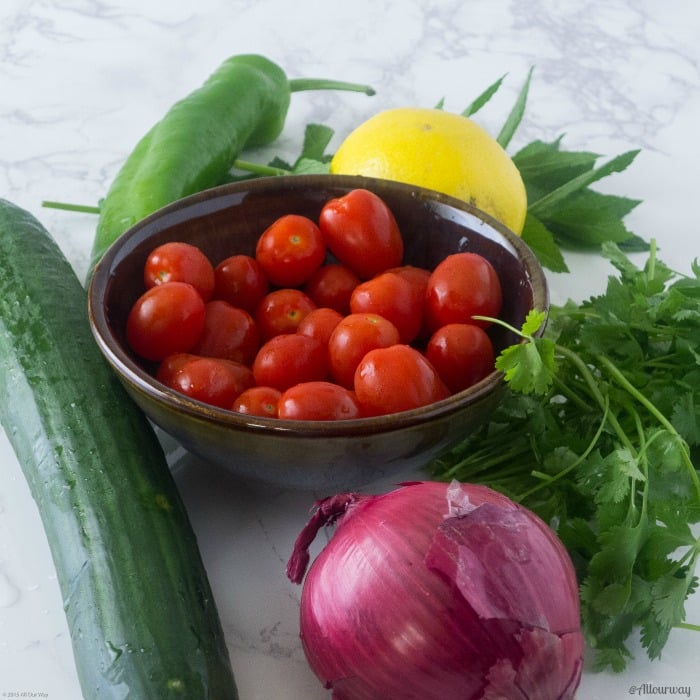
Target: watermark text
[653,689]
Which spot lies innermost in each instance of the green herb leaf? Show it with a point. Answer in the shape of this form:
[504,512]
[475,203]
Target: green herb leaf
[516,114]
[588,218]
[528,367]
[309,166]
[316,140]
[546,204]
[543,244]
[482,99]
[544,167]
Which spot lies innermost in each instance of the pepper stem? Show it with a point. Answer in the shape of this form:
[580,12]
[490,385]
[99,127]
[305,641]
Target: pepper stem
[301,84]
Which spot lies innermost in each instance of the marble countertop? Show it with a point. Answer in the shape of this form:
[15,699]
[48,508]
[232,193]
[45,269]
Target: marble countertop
[81,81]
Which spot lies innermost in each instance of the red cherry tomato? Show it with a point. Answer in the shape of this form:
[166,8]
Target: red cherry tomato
[177,261]
[461,286]
[331,285]
[318,401]
[172,364]
[291,250]
[352,339]
[397,378]
[258,401]
[165,319]
[320,323]
[418,279]
[361,231]
[289,359]
[241,281]
[393,297]
[281,311]
[212,381]
[462,354]
[229,333]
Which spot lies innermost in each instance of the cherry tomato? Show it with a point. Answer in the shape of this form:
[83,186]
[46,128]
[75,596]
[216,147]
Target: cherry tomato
[352,339]
[418,278]
[281,311]
[461,286]
[172,364]
[212,381]
[320,323]
[462,354]
[291,250]
[165,319]
[229,333]
[241,281]
[392,296]
[397,378]
[258,401]
[361,231]
[289,359]
[331,285]
[318,401]
[177,261]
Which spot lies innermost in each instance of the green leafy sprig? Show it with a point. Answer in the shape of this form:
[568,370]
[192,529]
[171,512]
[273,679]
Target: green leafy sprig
[563,211]
[599,433]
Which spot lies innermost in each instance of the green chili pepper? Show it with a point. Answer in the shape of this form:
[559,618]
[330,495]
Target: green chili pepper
[243,103]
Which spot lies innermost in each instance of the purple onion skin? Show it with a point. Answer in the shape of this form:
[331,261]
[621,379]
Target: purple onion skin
[408,603]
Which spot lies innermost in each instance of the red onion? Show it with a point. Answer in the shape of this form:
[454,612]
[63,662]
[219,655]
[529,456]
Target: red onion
[438,592]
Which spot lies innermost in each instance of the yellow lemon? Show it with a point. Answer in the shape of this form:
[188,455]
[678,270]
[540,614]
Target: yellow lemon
[439,150]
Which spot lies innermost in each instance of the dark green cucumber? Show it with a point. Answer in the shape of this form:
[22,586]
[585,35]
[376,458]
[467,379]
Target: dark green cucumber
[137,599]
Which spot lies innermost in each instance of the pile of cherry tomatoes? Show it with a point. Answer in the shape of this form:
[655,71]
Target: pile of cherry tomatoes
[323,322]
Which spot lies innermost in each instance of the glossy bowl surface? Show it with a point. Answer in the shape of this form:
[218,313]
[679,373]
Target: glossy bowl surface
[315,455]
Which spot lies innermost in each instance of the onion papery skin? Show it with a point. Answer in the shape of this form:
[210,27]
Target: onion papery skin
[410,602]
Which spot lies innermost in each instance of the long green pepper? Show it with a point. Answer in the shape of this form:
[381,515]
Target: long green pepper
[244,103]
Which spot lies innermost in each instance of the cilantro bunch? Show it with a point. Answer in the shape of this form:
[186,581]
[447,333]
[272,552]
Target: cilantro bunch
[599,434]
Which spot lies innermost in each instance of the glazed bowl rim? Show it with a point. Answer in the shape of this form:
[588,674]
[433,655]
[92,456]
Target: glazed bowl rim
[140,379]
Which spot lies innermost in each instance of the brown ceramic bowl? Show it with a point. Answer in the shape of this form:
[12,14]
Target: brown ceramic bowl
[326,456]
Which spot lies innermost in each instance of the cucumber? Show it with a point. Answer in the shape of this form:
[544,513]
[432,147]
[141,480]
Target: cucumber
[138,603]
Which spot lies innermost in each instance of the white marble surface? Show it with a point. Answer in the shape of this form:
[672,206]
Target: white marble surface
[81,81]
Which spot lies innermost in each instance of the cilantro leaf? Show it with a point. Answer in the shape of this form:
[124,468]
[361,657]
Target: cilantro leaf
[528,367]
[686,418]
[534,322]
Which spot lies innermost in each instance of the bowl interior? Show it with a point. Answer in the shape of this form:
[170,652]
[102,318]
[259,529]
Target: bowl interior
[229,219]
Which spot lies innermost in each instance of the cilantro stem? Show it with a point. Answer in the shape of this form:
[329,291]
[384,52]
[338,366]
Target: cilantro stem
[651,266]
[596,393]
[549,479]
[572,396]
[687,626]
[488,459]
[641,398]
